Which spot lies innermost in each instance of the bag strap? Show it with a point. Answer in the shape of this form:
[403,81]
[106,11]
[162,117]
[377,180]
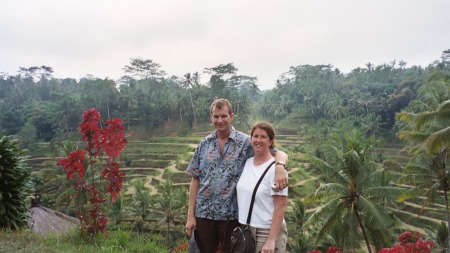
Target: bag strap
[250,210]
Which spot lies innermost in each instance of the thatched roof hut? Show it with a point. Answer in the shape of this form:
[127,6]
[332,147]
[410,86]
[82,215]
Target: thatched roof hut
[45,220]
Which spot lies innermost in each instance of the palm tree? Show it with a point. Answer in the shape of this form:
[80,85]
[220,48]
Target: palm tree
[429,169]
[170,205]
[188,84]
[295,217]
[352,198]
[141,198]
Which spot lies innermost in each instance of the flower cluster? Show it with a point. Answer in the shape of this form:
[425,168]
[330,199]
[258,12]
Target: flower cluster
[111,141]
[182,248]
[331,249]
[74,163]
[410,243]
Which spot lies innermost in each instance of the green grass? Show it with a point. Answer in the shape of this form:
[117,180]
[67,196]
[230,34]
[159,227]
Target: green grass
[118,241]
[149,163]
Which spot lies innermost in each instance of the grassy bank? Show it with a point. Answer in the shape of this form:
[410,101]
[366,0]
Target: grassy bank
[118,241]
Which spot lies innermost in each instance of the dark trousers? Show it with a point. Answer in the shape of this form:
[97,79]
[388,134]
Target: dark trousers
[211,232]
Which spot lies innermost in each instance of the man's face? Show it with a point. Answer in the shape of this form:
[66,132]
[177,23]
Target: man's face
[221,118]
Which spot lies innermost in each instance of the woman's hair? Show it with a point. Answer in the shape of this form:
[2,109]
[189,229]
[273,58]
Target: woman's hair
[219,103]
[266,127]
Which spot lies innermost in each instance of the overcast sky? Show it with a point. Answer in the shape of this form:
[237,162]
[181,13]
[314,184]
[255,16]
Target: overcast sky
[261,38]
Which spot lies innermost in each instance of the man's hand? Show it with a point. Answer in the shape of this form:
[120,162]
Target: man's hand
[281,177]
[190,226]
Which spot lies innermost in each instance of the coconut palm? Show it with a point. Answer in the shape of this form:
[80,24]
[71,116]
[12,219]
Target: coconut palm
[429,169]
[353,197]
[300,239]
[170,205]
[141,198]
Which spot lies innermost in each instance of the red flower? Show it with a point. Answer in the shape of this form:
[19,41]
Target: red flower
[91,115]
[115,179]
[73,163]
[424,246]
[410,243]
[113,141]
[333,249]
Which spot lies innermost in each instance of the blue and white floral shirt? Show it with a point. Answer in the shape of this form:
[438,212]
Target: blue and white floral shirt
[218,175]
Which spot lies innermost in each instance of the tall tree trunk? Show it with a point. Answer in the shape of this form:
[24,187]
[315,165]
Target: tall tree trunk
[448,218]
[363,231]
[193,108]
[107,107]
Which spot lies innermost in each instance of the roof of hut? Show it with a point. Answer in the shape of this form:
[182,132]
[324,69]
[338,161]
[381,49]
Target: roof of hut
[45,220]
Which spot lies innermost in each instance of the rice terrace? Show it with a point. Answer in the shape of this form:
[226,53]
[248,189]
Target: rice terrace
[159,159]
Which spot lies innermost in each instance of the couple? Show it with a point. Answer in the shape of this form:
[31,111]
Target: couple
[216,167]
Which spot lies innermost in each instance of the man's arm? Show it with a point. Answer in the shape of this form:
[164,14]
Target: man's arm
[281,178]
[190,224]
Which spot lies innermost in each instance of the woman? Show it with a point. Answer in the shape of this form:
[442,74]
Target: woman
[267,221]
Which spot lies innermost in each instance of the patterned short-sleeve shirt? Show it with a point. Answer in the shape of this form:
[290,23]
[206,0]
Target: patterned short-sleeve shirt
[218,175]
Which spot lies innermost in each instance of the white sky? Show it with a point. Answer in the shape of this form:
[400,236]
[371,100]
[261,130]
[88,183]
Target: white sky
[262,38]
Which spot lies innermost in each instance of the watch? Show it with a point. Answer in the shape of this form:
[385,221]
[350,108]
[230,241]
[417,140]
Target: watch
[282,163]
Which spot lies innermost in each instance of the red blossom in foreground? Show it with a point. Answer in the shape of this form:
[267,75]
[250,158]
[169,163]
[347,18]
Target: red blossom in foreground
[112,141]
[74,163]
[410,243]
[394,249]
[90,131]
[333,249]
[115,179]
[181,248]
[91,115]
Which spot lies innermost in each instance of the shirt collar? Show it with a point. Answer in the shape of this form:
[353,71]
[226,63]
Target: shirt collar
[232,133]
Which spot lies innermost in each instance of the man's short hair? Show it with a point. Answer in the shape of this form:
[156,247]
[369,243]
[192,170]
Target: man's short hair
[219,103]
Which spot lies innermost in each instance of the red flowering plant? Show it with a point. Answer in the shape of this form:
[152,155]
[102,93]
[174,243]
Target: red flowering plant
[103,148]
[410,243]
[331,249]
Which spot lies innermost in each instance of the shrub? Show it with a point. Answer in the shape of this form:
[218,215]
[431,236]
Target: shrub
[89,171]
[15,185]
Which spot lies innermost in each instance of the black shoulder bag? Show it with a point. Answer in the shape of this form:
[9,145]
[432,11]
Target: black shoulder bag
[241,238]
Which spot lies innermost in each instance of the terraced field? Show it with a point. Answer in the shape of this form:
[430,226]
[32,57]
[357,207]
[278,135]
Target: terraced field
[155,158]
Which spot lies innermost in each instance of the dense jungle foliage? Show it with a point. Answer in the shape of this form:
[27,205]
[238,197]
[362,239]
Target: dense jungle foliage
[38,107]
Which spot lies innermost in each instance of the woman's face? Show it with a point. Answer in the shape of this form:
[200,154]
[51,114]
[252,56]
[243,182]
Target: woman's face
[260,140]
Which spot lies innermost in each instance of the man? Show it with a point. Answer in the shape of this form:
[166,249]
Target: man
[215,169]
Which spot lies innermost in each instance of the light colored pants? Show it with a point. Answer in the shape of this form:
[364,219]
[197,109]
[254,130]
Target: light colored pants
[261,234]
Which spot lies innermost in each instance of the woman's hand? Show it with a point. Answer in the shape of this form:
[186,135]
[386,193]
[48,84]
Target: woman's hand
[269,247]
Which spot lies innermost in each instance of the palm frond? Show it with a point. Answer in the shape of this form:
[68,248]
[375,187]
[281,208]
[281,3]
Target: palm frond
[322,211]
[438,140]
[405,116]
[327,169]
[332,219]
[350,241]
[329,191]
[389,192]
[352,163]
[418,179]
[414,136]
[440,115]
[374,215]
